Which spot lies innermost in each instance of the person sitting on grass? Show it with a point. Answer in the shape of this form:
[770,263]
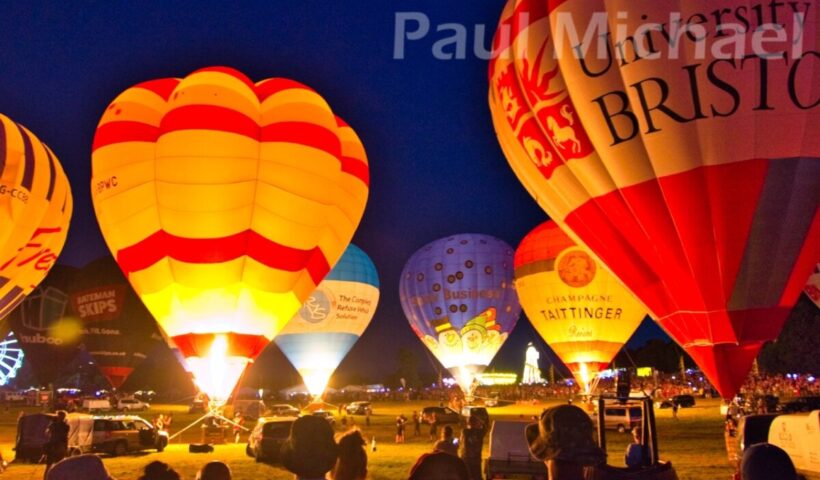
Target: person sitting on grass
[214,471]
[85,467]
[310,451]
[352,461]
[439,466]
[447,443]
[157,470]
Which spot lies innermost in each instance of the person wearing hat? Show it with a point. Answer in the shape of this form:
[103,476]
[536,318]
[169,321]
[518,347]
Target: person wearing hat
[85,467]
[563,438]
[310,451]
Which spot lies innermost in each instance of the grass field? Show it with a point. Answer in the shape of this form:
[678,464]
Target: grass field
[693,443]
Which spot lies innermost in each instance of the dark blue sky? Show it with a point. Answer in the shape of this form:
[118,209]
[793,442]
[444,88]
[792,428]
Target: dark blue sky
[436,168]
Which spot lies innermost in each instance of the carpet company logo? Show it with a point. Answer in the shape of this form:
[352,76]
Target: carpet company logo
[41,339]
[317,307]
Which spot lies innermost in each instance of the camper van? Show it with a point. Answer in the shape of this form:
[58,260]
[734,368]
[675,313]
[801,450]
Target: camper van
[31,435]
[799,435]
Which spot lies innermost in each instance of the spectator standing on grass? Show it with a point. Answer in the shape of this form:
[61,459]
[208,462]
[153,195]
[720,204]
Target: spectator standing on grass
[416,423]
[675,407]
[310,451]
[448,443]
[472,441]
[433,428]
[352,461]
[400,421]
[214,471]
[56,445]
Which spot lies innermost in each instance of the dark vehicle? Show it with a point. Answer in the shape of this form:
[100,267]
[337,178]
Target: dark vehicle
[119,435]
[266,439]
[479,412]
[683,401]
[359,408]
[440,416]
[801,404]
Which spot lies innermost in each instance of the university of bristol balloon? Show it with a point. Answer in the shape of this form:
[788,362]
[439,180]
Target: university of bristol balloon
[690,171]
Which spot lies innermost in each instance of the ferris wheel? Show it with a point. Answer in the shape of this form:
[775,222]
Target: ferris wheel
[11,358]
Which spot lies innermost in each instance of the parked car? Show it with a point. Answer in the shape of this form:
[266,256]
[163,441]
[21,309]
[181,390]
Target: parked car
[266,438]
[118,435]
[131,405]
[480,412]
[282,410]
[683,401]
[440,415]
[801,404]
[622,418]
[326,415]
[96,405]
[359,408]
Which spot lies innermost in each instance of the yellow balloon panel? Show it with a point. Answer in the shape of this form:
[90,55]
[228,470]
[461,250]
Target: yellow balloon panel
[578,307]
[35,210]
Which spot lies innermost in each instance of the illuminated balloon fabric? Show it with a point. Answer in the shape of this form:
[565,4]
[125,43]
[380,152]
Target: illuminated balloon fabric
[332,319]
[35,209]
[710,219]
[225,203]
[458,294]
[118,331]
[577,306]
[39,323]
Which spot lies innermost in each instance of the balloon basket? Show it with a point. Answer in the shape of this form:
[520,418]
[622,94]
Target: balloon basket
[214,425]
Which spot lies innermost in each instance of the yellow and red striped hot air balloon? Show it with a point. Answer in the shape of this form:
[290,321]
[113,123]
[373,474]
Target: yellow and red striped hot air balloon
[35,210]
[225,203]
[577,306]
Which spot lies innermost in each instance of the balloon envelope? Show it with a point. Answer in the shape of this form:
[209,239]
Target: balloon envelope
[35,210]
[332,319]
[225,203]
[48,334]
[577,306]
[458,295]
[117,330]
[694,177]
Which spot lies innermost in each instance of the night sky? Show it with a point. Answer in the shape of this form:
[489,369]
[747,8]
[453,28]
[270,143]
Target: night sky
[436,168]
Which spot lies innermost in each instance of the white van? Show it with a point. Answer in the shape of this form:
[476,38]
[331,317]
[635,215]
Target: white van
[799,435]
[93,405]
